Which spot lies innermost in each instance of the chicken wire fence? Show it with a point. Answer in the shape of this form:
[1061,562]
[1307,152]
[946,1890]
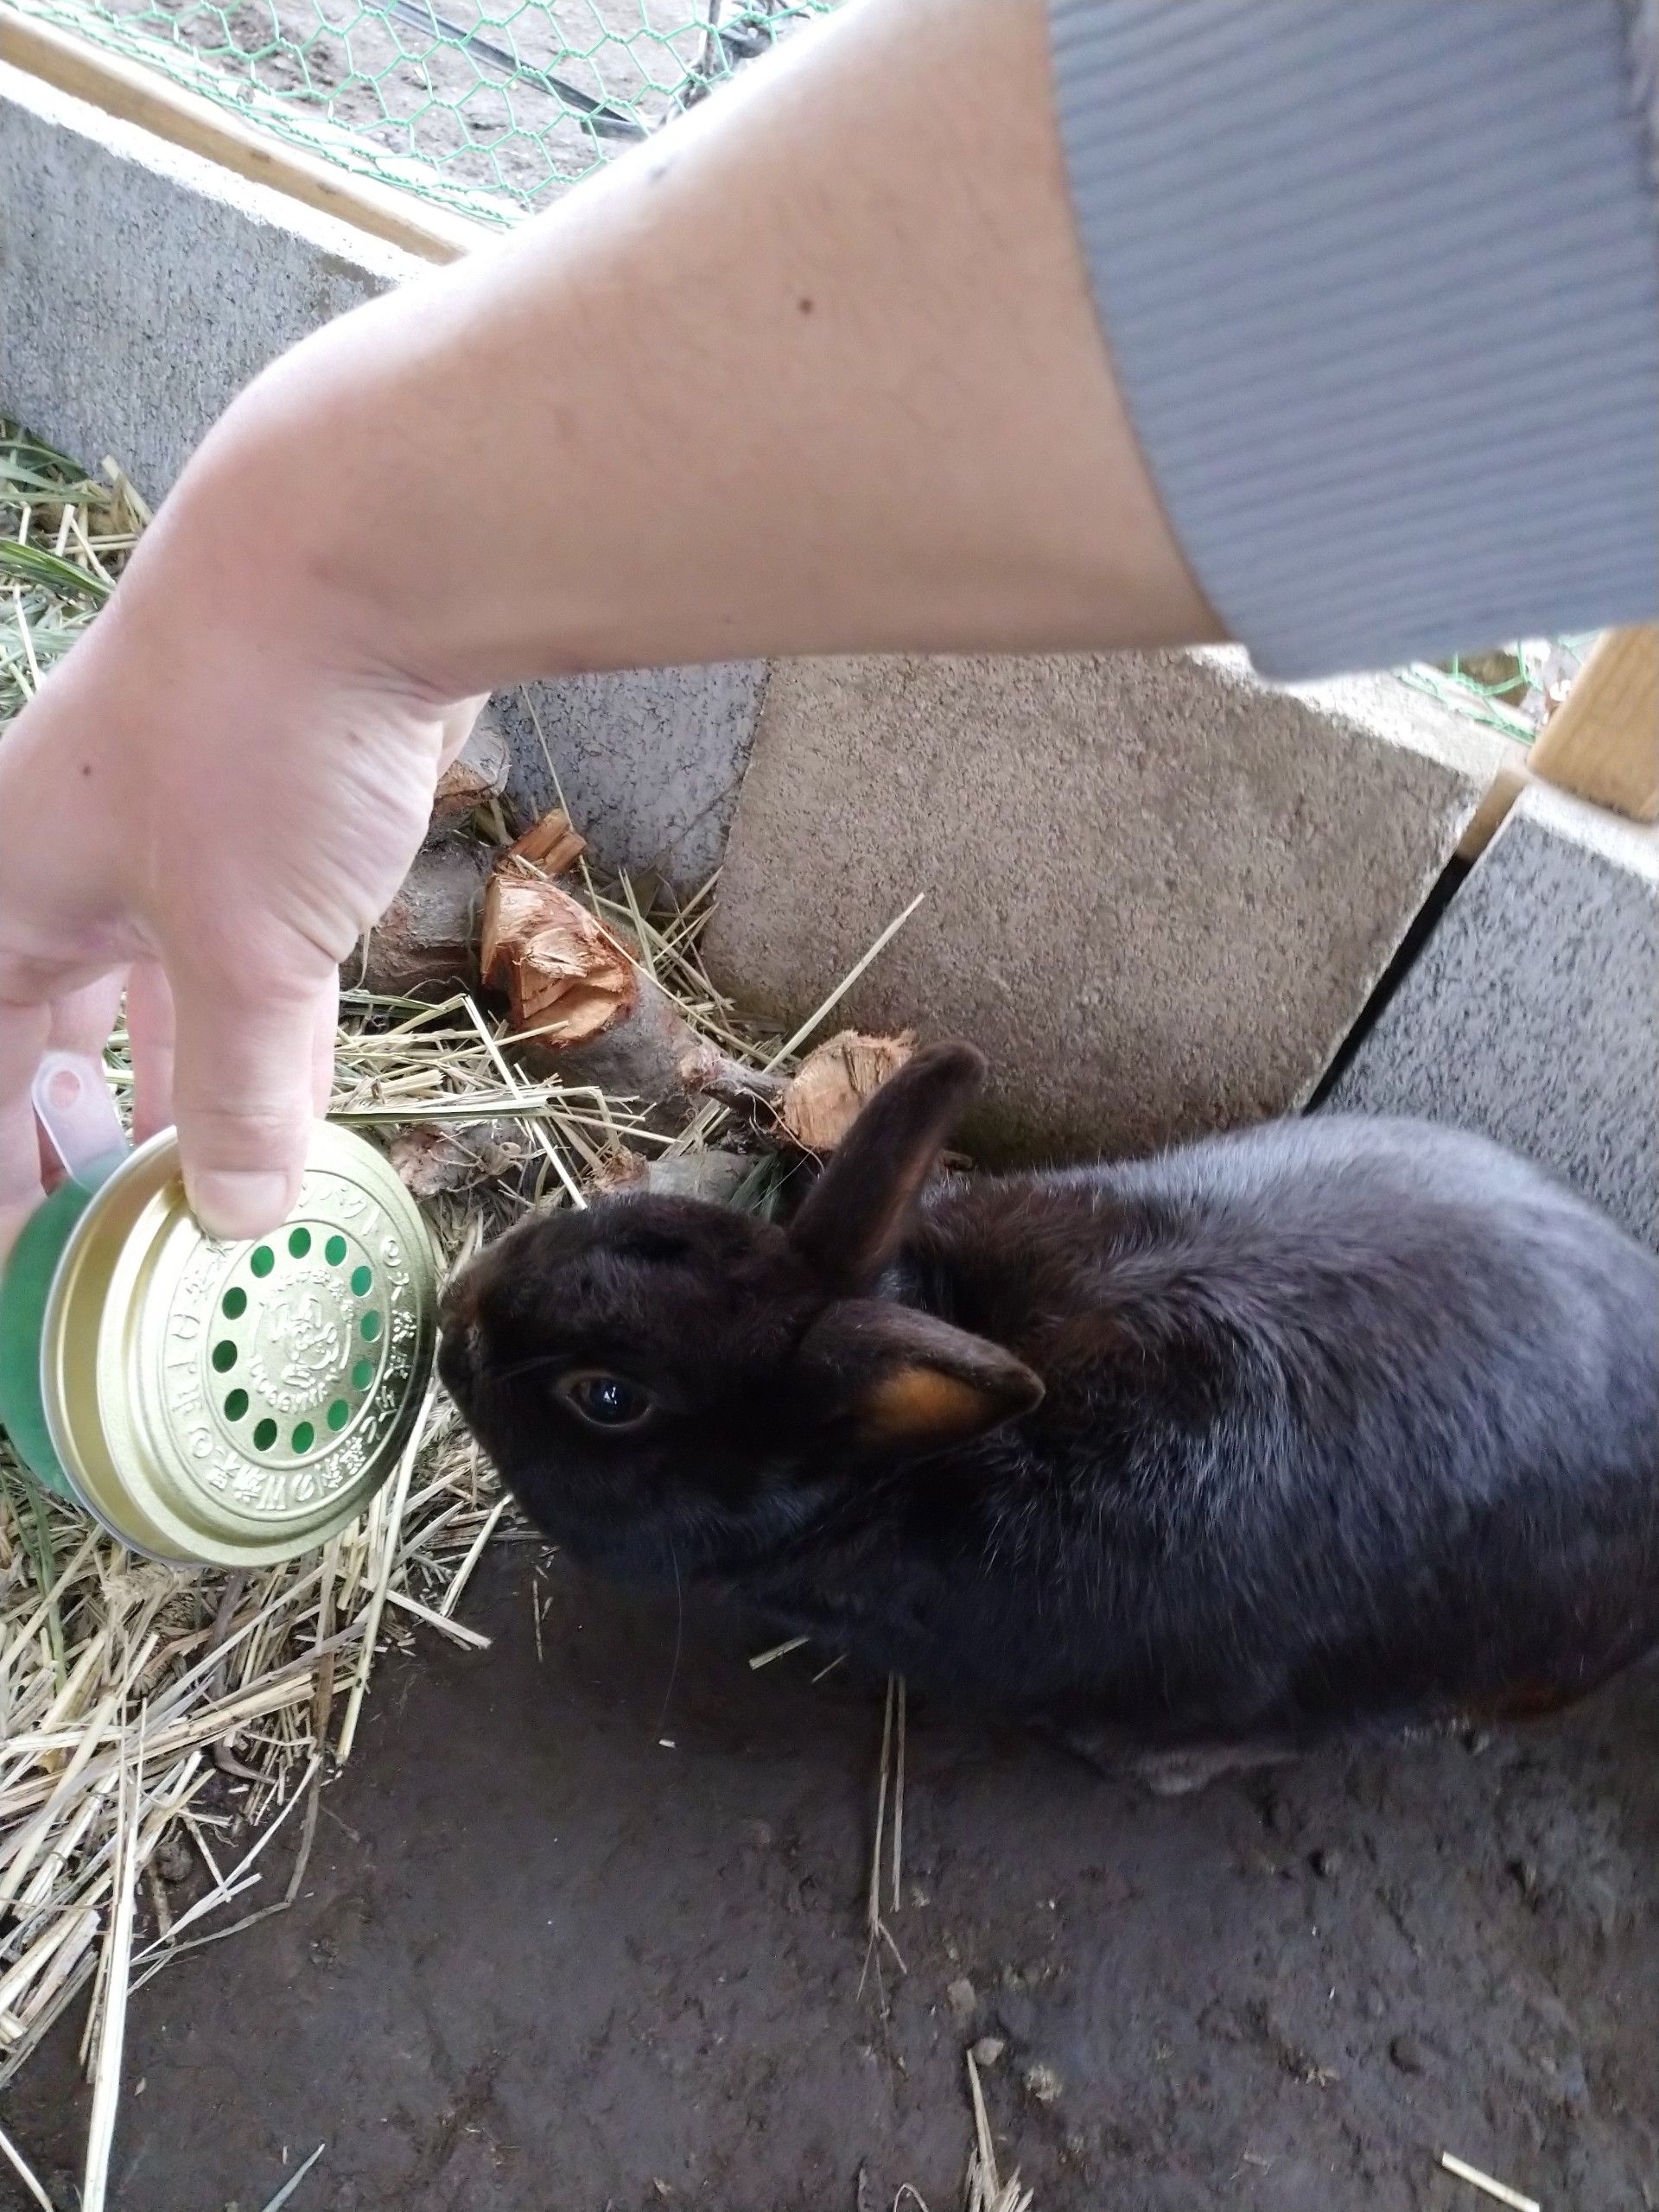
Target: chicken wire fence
[487,107]
[1513,689]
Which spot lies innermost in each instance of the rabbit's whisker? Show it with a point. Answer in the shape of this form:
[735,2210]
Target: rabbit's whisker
[679,1637]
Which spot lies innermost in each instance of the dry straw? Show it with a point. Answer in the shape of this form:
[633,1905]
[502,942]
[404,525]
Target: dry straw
[63,540]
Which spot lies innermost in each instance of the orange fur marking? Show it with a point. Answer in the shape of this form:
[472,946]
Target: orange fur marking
[916,1401]
[1524,1701]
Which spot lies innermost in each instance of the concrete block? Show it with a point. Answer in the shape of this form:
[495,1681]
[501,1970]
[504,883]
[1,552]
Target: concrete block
[1158,890]
[651,762]
[1532,1012]
[142,286]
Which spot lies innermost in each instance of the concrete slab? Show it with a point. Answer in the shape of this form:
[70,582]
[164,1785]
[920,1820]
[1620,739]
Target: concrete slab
[142,286]
[1159,890]
[1533,1011]
[652,762]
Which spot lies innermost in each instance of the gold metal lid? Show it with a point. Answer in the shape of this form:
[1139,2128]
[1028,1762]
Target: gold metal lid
[235,1404]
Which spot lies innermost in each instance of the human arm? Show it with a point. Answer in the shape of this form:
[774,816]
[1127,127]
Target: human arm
[819,371]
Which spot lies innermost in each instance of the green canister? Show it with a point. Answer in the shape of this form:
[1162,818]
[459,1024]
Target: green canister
[211,1403]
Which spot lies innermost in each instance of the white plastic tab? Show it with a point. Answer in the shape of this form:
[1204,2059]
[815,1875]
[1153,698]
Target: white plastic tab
[73,1106]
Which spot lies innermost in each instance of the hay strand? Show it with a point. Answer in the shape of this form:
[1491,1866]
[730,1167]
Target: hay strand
[286,2191]
[111,2039]
[1500,2191]
[898,1794]
[876,1929]
[392,1529]
[987,2190]
[24,2171]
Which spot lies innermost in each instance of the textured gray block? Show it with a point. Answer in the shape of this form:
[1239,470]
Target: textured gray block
[141,288]
[652,761]
[1533,1011]
[1159,891]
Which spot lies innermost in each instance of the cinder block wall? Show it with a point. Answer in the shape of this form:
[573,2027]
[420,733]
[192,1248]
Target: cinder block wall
[1156,890]
[141,288]
[1532,1011]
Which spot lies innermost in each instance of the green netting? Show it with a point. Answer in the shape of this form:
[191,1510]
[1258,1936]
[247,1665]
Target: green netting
[488,109]
[1513,689]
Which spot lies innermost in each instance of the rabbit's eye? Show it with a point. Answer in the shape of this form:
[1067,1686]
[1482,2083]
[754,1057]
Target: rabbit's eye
[606,1400]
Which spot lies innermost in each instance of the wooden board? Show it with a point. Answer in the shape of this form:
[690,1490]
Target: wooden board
[1602,742]
[1507,783]
[139,95]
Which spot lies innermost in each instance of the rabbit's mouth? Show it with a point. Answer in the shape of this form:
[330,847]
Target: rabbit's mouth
[458,1344]
[457,1365]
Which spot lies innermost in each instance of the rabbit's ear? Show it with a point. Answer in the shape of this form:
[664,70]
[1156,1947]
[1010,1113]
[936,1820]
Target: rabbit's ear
[907,1381]
[853,1221]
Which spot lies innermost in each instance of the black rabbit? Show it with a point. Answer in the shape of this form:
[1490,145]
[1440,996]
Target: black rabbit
[1331,1423]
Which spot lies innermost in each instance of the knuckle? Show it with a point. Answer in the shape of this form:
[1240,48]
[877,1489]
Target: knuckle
[225,1133]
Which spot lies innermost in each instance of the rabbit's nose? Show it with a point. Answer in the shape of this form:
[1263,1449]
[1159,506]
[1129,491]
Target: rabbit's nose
[458,1364]
[458,1320]
[458,1306]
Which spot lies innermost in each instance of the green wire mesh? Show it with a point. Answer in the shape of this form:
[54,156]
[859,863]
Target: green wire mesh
[1513,689]
[487,107]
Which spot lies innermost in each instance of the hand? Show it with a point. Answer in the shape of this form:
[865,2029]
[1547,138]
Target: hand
[212,799]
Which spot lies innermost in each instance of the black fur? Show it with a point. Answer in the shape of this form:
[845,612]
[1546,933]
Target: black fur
[1333,1423]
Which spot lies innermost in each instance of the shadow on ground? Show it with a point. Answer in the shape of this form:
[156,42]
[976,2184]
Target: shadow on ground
[546,1963]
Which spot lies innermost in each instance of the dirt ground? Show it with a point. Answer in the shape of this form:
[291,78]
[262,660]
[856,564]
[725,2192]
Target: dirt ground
[545,1960]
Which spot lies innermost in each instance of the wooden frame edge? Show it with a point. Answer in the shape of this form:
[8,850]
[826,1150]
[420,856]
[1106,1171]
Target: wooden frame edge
[145,97]
[1602,742]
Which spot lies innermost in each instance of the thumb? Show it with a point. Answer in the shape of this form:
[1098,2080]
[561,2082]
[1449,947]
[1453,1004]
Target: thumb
[243,1088]
[456,725]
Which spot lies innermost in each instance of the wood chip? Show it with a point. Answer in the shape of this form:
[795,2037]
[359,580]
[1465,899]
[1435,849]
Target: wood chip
[814,1108]
[432,1158]
[620,1171]
[820,1103]
[553,845]
[565,976]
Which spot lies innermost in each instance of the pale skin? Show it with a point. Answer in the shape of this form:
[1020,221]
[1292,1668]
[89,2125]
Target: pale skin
[818,371]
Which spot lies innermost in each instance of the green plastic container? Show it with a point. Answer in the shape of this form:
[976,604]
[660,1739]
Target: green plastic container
[25,1288]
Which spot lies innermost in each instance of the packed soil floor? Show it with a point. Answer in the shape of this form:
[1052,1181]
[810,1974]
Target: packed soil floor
[585,1928]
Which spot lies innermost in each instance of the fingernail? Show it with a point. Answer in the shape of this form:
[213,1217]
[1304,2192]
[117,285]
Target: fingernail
[235,1202]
